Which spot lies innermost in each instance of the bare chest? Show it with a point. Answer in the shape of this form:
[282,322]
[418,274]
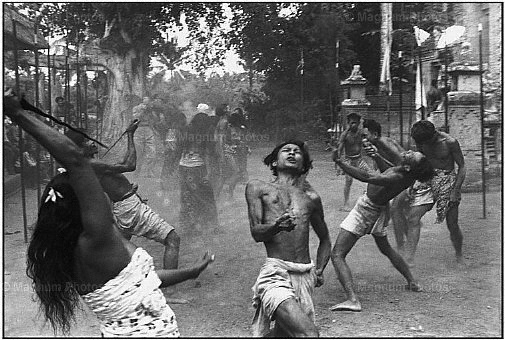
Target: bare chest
[439,156]
[280,199]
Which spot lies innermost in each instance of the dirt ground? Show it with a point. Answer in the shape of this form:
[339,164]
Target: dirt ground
[457,301]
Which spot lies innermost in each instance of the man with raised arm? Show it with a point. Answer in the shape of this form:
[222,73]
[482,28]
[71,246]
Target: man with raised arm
[370,215]
[280,213]
[411,204]
[133,215]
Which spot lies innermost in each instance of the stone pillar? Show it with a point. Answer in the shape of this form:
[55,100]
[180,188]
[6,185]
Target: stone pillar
[464,125]
[355,87]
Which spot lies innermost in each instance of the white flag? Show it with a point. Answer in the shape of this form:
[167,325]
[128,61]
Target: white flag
[421,35]
[451,35]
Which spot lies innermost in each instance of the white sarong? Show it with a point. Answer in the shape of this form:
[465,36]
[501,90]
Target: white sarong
[131,304]
[278,281]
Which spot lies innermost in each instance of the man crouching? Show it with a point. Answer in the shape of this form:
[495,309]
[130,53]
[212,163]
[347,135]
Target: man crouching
[279,215]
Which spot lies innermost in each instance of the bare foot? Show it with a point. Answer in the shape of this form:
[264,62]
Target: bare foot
[352,306]
[414,286]
[460,263]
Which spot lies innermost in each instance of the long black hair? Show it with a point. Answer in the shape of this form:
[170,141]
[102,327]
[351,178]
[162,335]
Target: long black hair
[50,258]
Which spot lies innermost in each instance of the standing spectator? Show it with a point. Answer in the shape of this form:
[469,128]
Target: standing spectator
[214,163]
[434,97]
[223,112]
[350,143]
[243,150]
[64,111]
[145,137]
[198,206]
[233,154]
[174,123]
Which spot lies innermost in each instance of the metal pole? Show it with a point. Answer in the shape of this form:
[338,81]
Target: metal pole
[446,90]
[20,136]
[49,104]
[37,101]
[400,89]
[78,88]
[85,81]
[301,83]
[423,113]
[388,109]
[337,94]
[482,145]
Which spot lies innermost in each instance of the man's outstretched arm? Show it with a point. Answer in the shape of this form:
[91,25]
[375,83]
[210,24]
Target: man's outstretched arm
[129,162]
[383,179]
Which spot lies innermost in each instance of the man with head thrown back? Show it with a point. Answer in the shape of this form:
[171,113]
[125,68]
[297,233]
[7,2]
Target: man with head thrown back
[279,216]
[370,215]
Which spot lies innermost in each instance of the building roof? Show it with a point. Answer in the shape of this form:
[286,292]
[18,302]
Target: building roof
[25,37]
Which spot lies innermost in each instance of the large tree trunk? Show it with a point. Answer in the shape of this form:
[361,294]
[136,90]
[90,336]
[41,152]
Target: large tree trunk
[126,81]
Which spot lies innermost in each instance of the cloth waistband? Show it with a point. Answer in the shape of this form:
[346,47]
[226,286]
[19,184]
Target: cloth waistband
[290,266]
[130,193]
[353,157]
[443,172]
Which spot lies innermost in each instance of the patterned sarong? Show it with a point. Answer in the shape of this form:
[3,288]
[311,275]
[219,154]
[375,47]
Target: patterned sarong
[442,185]
[131,304]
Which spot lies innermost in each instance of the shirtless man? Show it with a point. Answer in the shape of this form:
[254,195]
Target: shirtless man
[133,216]
[279,215]
[391,150]
[350,142]
[443,152]
[370,216]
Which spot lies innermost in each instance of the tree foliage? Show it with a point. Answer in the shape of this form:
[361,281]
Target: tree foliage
[271,38]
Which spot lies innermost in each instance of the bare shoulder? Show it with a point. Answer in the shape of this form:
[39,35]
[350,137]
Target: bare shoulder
[447,138]
[311,192]
[256,186]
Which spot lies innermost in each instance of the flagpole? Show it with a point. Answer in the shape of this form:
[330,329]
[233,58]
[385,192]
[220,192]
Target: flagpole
[423,116]
[401,97]
[482,145]
[446,90]
[301,82]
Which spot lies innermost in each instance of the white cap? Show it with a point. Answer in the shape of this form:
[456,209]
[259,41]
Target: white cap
[202,108]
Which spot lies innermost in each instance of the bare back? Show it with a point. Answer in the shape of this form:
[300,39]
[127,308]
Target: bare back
[398,180]
[115,185]
[390,149]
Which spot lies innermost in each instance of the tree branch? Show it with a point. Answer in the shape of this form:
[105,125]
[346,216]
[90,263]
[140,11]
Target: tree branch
[122,31]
